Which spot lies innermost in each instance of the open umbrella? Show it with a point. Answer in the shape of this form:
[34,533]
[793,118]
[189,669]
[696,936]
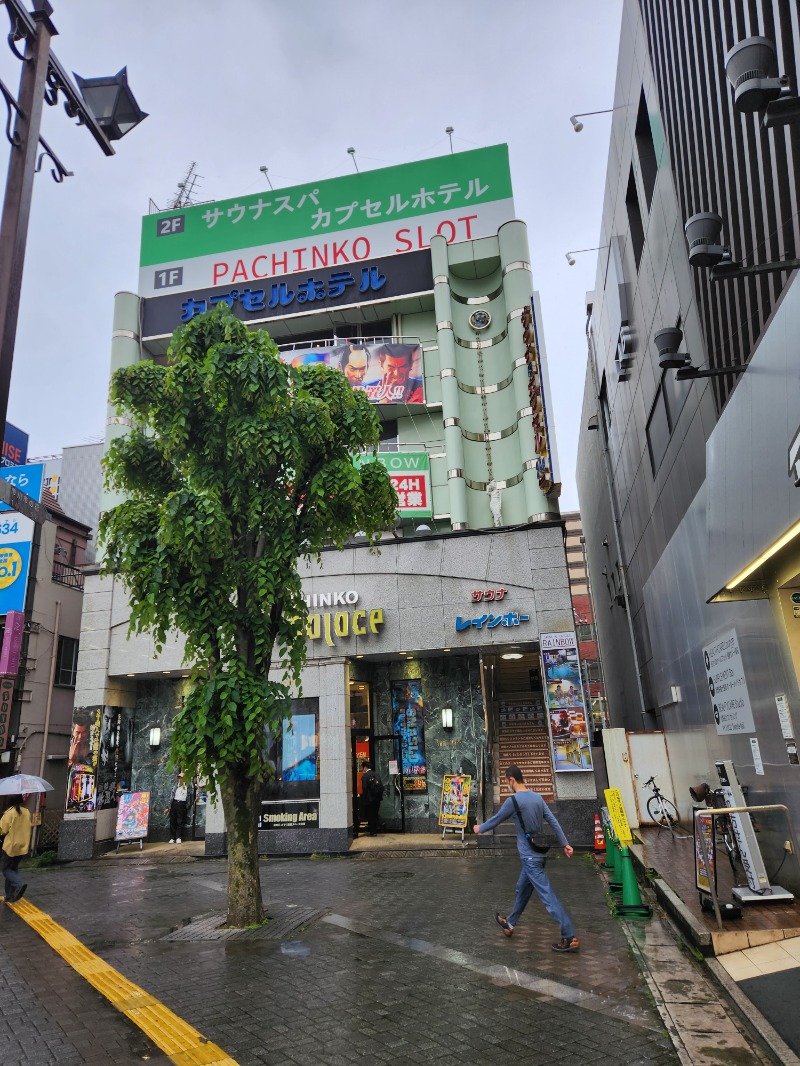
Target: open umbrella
[23,783]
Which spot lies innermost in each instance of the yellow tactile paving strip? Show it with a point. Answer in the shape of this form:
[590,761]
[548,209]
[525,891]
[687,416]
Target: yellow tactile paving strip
[176,1038]
[768,958]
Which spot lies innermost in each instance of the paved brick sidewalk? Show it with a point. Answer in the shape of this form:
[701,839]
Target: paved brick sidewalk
[407,967]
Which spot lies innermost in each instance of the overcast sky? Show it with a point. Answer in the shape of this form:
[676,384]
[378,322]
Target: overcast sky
[245,83]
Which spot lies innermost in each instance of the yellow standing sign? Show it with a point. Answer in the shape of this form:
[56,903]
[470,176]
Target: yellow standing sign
[454,805]
[619,819]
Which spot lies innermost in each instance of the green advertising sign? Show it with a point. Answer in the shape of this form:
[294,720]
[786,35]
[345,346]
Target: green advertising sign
[410,474]
[326,223]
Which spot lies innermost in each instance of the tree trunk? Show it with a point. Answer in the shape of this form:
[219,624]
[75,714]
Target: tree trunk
[240,803]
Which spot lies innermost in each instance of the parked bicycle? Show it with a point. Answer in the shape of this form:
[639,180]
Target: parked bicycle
[659,809]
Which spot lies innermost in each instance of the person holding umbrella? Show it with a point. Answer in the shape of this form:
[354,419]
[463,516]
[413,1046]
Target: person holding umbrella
[15,827]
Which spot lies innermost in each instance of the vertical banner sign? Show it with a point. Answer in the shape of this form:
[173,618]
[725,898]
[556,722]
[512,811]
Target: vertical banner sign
[704,829]
[84,748]
[536,395]
[727,685]
[566,704]
[16,536]
[410,475]
[6,699]
[454,804]
[12,643]
[133,816]
[408,716]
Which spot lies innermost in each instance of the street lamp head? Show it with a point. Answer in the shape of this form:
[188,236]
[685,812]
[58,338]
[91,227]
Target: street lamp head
[112,103]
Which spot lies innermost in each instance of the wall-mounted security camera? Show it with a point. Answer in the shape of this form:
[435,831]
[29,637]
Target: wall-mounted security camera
[667,342]
[704,239]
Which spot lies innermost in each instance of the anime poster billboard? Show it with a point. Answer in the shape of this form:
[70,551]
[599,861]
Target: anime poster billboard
[133,816]
[408,718]
[454,804]
[388,370]
[566,704]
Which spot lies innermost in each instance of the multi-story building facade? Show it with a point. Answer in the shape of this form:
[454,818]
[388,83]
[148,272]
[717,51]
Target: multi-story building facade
[691,511]
[583,610]
[424,659]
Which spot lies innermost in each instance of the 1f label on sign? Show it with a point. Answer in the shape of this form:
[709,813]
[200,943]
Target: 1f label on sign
[166,279]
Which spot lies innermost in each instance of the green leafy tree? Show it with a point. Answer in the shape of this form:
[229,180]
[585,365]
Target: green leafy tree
[237,466]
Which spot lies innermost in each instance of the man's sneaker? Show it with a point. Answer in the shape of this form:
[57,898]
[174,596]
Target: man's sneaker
[18,895]
[565,944]
[508,930]
[172,841]
[177,840]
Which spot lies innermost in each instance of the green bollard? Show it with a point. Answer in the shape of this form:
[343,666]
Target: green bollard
[609,863]
[615,882]
[631,905]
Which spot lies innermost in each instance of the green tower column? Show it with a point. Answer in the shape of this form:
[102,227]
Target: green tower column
[451,404]
[125,351]
[517,294]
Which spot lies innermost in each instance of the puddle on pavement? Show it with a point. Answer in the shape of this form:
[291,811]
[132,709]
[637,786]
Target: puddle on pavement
[295,947]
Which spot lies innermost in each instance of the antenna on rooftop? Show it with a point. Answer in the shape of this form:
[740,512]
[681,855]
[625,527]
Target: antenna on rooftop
[184,197]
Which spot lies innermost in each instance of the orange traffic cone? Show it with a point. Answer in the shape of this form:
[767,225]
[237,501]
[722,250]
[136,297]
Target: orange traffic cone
[599,838]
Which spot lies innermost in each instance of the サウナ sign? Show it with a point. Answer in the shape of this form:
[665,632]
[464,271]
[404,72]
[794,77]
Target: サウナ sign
[333,223]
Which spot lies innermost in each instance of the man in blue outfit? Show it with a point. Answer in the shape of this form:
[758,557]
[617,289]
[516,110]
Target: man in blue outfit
[529,810]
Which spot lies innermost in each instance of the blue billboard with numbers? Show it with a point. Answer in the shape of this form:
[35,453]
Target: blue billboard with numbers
[16,535]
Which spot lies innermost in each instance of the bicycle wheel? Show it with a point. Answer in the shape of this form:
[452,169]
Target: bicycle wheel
[662,811]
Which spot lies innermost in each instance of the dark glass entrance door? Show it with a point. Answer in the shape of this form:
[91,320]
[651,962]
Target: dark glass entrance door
[386,753]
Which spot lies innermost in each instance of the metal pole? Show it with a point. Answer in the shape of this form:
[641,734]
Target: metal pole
[46,730]
[19,192]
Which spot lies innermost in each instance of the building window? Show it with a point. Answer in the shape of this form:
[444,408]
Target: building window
[634,219]
[646,150]
[66,662]
[658,431]
[585,632]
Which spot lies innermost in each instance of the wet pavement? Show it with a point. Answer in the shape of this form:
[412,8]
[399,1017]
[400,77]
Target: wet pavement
[379,958]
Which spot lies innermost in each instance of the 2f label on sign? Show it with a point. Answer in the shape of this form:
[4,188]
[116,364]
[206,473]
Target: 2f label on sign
[165,227]
[166,279]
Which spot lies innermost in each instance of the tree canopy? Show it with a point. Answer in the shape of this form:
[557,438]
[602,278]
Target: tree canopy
[237,465]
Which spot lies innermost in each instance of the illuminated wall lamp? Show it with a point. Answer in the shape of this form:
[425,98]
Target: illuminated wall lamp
[155,736]
[781,542]
[447,717]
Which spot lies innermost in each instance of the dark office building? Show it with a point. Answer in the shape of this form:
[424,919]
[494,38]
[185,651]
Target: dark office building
[688,483]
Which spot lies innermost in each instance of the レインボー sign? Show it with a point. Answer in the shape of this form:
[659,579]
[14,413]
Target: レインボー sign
[332,223]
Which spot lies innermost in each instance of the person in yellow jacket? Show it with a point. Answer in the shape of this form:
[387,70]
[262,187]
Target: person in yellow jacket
[15,828]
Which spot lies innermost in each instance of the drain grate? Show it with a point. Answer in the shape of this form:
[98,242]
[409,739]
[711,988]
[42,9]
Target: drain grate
[280,925]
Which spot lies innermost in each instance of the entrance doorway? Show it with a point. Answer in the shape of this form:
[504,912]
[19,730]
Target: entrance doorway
[387,750]
[382,753]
